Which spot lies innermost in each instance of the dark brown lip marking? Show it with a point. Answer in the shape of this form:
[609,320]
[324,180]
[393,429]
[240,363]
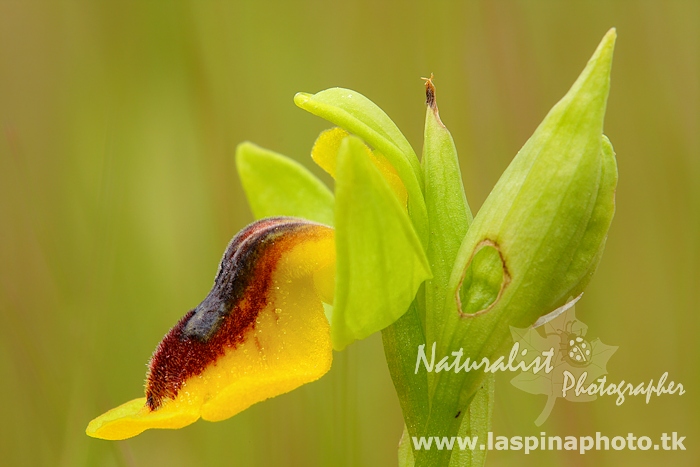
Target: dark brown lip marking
[228,312]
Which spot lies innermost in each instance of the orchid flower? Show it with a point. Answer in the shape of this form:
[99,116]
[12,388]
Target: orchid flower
[262,330]
[395,249]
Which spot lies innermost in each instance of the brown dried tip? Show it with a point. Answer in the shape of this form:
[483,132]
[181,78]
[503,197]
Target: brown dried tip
[430,92]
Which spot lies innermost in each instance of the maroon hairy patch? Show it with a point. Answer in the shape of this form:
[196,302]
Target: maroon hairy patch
[227,315]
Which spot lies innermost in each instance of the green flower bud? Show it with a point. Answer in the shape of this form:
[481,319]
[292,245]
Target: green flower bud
[538,237]
[535,242]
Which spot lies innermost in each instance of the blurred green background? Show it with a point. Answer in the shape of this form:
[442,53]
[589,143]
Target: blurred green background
[118,195]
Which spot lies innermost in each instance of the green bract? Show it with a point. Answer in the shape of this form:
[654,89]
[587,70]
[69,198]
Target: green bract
[449,215]
[427,272]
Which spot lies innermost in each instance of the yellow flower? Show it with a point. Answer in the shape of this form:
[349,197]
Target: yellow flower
[259,333]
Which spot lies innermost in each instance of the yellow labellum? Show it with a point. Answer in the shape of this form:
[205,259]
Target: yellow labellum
[286,346]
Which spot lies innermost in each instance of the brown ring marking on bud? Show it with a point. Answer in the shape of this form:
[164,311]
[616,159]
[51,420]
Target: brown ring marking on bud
[227,315]
[504,283]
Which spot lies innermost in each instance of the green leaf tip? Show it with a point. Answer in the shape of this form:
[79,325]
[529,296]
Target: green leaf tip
[589,93]
[301,98]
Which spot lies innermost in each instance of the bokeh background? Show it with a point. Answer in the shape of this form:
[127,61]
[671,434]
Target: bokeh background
[118,194]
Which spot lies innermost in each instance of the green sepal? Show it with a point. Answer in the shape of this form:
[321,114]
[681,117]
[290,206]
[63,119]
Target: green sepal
[276,185]
[380,262]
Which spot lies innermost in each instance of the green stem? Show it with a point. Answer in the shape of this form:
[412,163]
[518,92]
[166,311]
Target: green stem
[401,340]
